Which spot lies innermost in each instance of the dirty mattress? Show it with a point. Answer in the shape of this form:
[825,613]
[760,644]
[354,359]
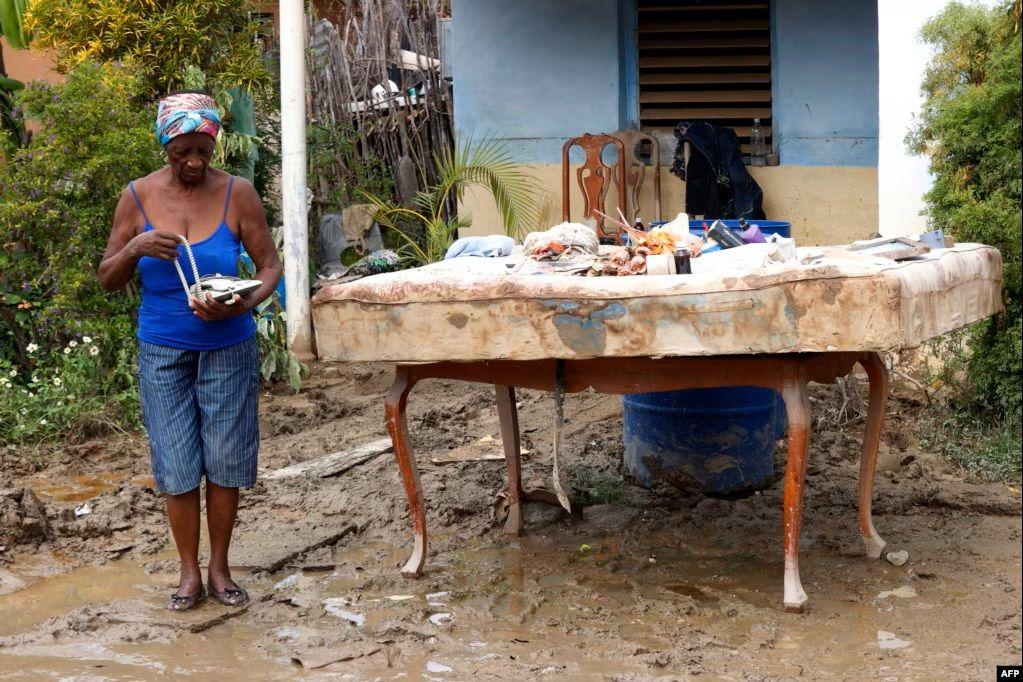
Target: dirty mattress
[469,309]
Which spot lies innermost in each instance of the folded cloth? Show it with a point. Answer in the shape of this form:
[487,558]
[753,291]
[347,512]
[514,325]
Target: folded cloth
[492,246]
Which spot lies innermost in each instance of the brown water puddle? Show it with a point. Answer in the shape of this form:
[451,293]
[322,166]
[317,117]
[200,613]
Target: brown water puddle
[82,487]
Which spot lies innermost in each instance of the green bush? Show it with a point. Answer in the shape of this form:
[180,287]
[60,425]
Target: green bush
[339,173]
[161,39]
[970,127]
[84,388]
[57,200]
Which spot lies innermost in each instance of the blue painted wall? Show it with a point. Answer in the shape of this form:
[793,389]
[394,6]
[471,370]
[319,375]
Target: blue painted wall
[535,72]
[825,82]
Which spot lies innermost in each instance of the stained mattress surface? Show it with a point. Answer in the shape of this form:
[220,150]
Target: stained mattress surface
[476,309]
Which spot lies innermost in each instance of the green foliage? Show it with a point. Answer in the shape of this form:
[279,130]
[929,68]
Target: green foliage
[339,174]
[160,39]
[235,150]
[11,128]
[987,450]
[597,487]
[57,200]
[11,28]
[430,225]
[267,168]
[82,389]
[970,127]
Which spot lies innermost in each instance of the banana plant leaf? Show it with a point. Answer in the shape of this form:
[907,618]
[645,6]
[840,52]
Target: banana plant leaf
[11,12]
[10,84]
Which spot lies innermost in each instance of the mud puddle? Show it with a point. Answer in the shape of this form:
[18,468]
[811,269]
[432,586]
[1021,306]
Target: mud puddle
[82,487]
[579,603]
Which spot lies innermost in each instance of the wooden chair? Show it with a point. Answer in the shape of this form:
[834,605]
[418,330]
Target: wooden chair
[635,171]
[594,178]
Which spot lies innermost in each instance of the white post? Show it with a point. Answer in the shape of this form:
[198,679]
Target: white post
[293,177]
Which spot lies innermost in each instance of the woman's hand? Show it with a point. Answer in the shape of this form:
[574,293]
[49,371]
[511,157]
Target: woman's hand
[155,244]
[212,310]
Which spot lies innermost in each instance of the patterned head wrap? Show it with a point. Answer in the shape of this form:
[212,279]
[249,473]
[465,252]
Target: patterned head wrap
[186,112]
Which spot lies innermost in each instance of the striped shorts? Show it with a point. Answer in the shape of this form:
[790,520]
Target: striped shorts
[200,409]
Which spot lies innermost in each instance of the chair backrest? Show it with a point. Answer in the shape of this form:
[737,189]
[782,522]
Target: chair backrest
[594,178]
[635,170]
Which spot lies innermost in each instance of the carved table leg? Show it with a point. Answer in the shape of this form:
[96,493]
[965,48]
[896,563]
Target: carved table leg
[397,426]
[509,417]
[877,374]
[797,405]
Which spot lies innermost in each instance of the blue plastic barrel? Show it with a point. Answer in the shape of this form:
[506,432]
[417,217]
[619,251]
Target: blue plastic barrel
[722,437]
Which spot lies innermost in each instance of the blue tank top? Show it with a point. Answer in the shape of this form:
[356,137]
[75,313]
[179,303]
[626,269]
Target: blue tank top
[164,316]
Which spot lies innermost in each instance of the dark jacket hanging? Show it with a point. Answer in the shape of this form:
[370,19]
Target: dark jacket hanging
[717,182]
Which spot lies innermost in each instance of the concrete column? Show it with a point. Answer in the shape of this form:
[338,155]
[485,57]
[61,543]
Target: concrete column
[293,178]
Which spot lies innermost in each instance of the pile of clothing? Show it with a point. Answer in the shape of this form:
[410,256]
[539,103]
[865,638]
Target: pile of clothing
[563,241]
[572,248]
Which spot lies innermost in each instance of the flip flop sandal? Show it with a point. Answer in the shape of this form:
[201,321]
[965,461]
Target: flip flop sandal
[179,602]
[232,596]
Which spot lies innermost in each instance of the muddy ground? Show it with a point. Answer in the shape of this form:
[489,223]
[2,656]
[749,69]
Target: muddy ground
[662,584]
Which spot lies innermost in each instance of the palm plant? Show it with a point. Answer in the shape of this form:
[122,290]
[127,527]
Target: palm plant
[432,214]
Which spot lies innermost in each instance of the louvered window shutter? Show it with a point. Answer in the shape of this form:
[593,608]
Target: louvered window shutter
[707,60]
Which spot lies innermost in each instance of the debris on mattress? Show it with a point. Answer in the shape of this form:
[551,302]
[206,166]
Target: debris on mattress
[895,248]
[566,240]
[374,263]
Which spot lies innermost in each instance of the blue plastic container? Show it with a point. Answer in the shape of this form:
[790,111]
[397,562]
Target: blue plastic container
[722,437]
[778,227]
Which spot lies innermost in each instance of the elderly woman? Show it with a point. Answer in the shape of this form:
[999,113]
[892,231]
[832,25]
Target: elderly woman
[198,357]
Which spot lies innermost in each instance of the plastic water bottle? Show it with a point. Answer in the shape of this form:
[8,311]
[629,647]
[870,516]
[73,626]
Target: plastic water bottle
[758,150]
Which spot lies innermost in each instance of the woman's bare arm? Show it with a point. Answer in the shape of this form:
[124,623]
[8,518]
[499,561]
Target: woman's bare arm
[127,244]
[258,242]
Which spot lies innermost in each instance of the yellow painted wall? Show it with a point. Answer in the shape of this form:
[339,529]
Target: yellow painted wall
[825,204]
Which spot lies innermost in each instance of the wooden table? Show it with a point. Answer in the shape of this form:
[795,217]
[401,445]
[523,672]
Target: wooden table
[770,326]
[786,373]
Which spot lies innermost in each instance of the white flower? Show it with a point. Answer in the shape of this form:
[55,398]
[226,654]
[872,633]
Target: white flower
[72,344]
[24,410]
[57,381]
[42,422]
[94,350]
[67,350]
[14,372]
[31,348]
[31,394]
[86,339]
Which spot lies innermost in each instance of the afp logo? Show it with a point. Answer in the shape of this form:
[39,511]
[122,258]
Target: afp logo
[1010,672]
